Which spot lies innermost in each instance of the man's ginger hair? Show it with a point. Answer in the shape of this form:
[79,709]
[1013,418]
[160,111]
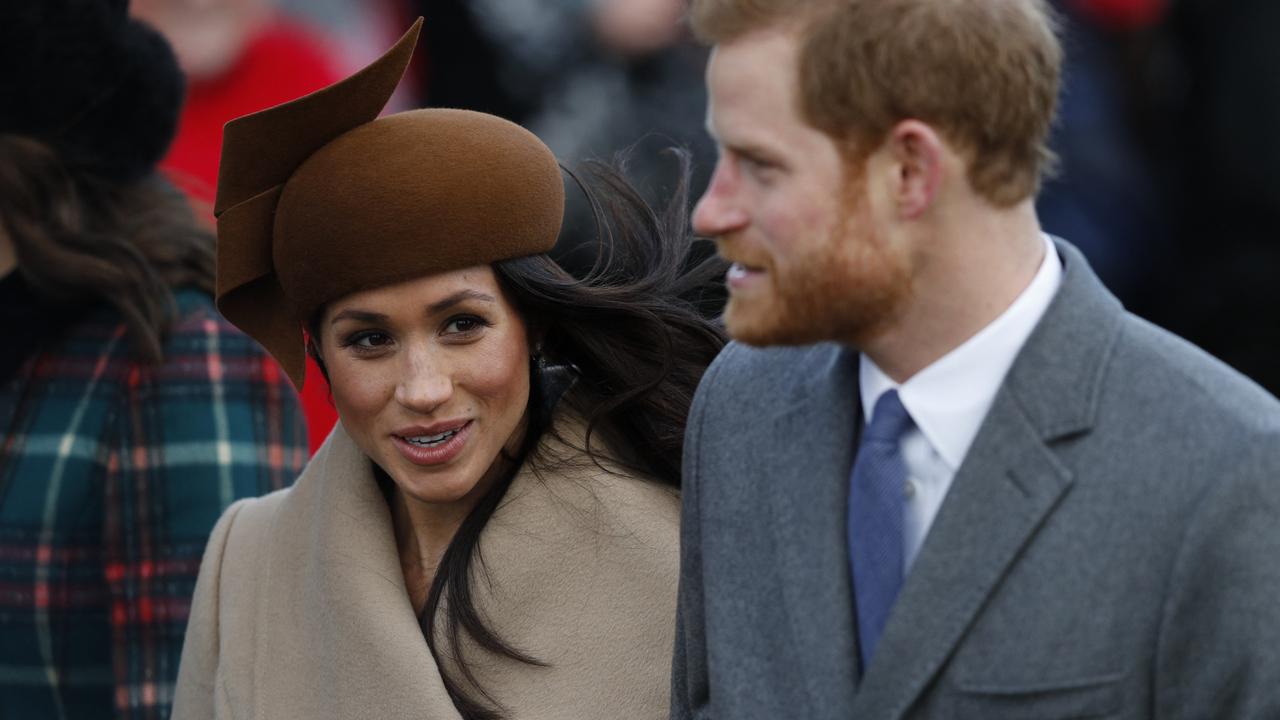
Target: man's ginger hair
[985,73]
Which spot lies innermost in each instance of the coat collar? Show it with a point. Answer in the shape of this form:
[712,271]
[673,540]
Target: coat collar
[1008,484]
[807,501]
[570,546]
[335,590]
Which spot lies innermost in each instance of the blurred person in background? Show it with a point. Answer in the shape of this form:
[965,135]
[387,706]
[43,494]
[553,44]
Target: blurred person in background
[131,413]
[1212,88]
[1104,195]
[590,77]
[239,56]
[637,87]
[1166,182]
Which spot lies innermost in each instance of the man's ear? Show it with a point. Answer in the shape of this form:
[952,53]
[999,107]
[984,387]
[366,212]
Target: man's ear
[917,151]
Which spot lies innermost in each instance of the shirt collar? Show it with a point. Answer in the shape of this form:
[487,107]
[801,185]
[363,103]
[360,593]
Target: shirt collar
[949,399]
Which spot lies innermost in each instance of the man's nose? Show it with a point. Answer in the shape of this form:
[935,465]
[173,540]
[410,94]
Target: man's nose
[720,209]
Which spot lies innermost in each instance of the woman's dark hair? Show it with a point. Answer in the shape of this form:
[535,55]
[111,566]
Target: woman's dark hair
[82,239]
[634,337]
[630,338]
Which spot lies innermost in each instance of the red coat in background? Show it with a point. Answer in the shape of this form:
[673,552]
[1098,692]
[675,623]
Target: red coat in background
[1123,14]
[284,61]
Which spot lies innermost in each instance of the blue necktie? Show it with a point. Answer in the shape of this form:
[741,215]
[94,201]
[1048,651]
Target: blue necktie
[875,520]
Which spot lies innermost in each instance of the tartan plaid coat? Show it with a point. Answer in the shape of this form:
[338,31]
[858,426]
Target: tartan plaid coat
[112,474]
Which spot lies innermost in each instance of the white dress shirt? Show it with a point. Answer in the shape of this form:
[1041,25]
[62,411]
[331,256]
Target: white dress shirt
[949,399]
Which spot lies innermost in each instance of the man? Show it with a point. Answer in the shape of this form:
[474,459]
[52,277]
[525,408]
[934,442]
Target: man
[944,474]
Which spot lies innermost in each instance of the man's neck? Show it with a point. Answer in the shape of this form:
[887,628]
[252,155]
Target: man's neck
[8,255]
[969,275]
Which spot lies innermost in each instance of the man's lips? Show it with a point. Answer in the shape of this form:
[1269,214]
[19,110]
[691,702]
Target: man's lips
[739,276]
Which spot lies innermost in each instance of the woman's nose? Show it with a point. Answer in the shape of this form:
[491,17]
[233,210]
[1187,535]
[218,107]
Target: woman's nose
[425,384]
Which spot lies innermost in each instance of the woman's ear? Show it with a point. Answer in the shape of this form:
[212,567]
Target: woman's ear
[313,349]
[535,336]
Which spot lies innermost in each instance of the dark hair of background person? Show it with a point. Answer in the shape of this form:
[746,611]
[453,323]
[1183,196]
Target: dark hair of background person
[624,345]
[85,239]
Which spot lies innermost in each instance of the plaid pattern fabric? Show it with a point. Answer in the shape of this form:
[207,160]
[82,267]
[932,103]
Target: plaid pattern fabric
[112,474]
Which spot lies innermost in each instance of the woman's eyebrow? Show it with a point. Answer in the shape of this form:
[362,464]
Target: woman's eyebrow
[358,315]
[434,308]
[461,296]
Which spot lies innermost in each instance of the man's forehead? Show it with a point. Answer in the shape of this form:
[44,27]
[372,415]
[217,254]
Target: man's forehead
[750,83]
[746,55]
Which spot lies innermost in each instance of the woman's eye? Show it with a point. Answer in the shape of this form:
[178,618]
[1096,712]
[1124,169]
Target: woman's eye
[369,340]
[463,325]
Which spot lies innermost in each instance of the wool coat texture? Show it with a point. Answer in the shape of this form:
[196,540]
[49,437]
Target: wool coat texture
[1107,549]
[301,609]
[113,472]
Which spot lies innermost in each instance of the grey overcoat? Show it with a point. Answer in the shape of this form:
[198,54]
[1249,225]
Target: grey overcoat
[1110,547]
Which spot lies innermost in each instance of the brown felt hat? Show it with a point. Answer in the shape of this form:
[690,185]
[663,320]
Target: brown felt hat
[319,198]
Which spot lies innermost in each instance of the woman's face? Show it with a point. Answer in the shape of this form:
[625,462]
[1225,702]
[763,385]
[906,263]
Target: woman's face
[431,379]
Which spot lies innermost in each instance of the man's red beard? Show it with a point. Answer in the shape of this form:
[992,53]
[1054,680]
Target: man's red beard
[847,288]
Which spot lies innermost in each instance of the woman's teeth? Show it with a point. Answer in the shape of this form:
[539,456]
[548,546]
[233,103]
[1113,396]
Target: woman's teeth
[430,440]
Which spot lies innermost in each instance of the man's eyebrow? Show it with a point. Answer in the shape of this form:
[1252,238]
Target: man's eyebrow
[740,146]
[752,151]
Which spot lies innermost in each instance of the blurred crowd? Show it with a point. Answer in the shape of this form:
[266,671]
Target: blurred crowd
[1168,181]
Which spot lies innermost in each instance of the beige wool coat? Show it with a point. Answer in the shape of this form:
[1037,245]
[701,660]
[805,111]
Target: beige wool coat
[301,609]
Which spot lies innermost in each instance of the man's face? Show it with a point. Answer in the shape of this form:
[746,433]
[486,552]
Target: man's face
[801,229]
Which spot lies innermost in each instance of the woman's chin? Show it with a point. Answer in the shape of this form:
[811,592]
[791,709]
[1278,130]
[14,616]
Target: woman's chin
[434,488]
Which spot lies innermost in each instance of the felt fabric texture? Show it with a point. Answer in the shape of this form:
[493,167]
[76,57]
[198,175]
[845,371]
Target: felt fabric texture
[102,89]
[301,609]
[317,200]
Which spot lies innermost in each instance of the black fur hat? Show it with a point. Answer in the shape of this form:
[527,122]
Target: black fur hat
[103,89]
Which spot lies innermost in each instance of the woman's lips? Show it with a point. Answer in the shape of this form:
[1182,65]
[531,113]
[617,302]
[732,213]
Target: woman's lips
[437,454]
[741,276]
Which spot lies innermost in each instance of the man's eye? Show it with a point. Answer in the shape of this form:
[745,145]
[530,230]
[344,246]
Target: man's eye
[756,166]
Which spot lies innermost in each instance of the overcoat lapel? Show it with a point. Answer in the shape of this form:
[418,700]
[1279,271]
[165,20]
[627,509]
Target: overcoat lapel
[809,497]
[576,566]
[1008,484]
[1006,487]
[338,593]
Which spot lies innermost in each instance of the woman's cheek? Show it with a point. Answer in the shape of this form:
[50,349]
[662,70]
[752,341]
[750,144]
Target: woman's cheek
[503,371]
[359,389]
[502,378]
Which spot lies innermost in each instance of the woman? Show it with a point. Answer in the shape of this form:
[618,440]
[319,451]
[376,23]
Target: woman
[131,413]
[491,529]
